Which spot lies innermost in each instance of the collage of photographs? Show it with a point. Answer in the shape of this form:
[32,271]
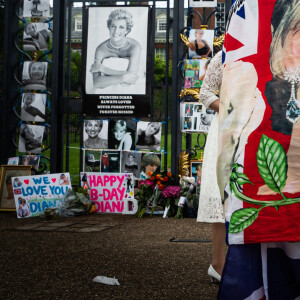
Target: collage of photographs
[136,162]
[122,134]
[194,117]
[36,36]
[122,146]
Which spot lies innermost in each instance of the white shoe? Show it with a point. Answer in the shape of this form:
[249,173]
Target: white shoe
[214,275]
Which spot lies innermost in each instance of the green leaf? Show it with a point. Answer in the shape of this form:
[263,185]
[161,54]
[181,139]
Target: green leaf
[242,219]
[242,179]
[272,163]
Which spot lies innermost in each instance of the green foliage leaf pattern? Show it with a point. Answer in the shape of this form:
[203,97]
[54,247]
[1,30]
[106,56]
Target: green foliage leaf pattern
[272,163]
[242,219]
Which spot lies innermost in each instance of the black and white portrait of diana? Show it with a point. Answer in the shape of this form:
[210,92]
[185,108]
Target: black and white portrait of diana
[148,135]
[34,75]
[36,8]
[95,134]
[31,138]
[33,107]
[117,50]
[36,37]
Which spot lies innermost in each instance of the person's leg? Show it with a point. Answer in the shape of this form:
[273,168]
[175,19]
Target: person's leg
[218,246]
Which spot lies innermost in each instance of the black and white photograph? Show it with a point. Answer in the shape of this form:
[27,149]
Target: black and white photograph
[31,160]
[110,161]
[200,119]
[121,134]
[92,161]
[36,37]
[148,136]
[201,43]
[33,107]
[131,162]
[31,138]
[95,134]
[150,162]
[116,61]
[34,75]
[203,3]
[36,8]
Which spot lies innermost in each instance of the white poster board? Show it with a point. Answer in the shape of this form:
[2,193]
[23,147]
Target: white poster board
[111,192]
[33,194]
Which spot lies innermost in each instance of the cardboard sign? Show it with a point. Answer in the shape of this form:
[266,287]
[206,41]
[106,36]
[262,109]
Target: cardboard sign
[33,194]
[111,192]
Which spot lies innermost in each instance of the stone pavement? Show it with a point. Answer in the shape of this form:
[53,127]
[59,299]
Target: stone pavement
[85,226]
[58,258]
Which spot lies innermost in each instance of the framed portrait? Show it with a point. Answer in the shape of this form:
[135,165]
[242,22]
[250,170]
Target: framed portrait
[203,3]
[7,202]
[36,8]
[196,170]
[117,62]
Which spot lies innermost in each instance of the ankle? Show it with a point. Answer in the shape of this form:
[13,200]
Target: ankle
[218,267]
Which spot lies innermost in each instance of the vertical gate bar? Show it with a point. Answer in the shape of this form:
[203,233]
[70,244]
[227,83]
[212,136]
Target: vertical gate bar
[67,149]
[152,59]
[176,143]
[167,86]
[188,136]
[58,56]
[8,118]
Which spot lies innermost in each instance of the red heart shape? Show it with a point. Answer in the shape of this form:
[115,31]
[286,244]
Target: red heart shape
[53,179]
[26,181]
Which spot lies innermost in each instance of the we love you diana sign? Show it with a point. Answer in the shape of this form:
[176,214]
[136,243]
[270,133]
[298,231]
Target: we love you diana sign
[33,194]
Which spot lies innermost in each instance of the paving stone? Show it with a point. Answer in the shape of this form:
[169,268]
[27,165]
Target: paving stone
[60,224]
[45,228]
[67,229]
[92,229]
[27,227]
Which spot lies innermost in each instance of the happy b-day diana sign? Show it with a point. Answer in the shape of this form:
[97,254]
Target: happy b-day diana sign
[111,192]
[33,194]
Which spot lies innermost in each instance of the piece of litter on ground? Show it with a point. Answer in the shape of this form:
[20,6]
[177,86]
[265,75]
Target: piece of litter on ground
[106,280]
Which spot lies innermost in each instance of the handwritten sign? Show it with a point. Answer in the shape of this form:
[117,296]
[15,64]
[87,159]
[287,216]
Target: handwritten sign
[111,192]
[33,194]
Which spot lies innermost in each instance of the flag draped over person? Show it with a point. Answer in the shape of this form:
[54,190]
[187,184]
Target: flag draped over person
[259,150]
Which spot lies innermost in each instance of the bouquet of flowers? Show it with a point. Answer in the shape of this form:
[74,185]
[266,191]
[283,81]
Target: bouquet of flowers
[189,196]
[171,195]
[151,189]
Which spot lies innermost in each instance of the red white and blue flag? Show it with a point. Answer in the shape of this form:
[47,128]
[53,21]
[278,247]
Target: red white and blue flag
[259,150]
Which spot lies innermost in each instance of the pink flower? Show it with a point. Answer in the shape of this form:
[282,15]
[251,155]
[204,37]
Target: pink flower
[171,191]
[146,182]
